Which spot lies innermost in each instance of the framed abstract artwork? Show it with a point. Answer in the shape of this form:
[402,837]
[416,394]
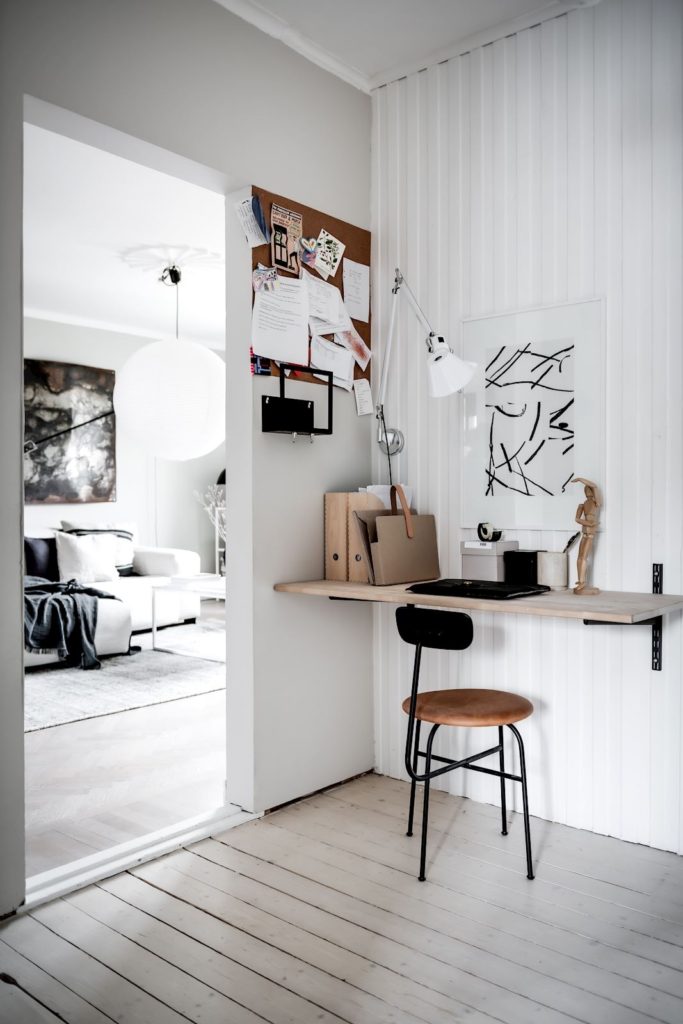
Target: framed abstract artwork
[69,432]
[533,415]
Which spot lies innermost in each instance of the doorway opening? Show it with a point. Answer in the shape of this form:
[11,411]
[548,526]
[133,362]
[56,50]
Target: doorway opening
[135,747]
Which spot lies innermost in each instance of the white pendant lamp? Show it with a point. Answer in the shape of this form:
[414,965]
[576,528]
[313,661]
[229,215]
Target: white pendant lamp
[170,395]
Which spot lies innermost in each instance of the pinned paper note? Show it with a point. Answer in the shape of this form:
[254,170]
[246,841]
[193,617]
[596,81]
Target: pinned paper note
[286,230]
[351,339]
[324,303]
[325,355]
[356,277]
[363,394]
[330,252]
[250,216]
[309,251]
[264,279]
[280,322]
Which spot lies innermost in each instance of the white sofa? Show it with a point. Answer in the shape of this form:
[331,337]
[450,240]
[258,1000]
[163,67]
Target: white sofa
[116,620]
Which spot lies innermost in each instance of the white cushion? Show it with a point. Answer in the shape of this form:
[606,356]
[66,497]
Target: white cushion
[123,533]
[87,559]
[136,592]
[166,562]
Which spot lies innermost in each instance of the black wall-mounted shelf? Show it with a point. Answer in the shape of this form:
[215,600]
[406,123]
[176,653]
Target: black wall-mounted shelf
[295,416]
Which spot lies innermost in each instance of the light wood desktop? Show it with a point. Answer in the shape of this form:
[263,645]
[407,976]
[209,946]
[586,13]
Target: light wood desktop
[607,606]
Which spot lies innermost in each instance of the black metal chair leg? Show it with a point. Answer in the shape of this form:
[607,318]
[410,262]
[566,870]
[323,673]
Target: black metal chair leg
[425,812]
[413,784]
[503,807]
[525,802]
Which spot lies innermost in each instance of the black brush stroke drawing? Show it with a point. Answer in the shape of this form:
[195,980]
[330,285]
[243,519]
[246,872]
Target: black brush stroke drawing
[521,427]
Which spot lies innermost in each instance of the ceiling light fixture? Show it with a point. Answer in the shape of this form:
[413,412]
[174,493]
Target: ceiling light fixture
[170,395]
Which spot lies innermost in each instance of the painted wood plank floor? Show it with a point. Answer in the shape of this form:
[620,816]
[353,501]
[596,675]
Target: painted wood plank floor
[314,914]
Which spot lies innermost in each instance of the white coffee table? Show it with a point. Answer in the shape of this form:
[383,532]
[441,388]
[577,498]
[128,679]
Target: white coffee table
[205,584]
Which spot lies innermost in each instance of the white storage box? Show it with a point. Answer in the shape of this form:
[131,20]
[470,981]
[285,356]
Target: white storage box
[483,559]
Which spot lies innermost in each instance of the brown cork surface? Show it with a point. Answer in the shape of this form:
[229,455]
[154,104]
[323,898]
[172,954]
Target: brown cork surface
[356,240]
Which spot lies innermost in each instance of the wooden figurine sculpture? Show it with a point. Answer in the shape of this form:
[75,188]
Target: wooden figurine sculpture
[588,518]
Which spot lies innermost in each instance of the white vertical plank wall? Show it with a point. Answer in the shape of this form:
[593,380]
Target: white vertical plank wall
[543,168]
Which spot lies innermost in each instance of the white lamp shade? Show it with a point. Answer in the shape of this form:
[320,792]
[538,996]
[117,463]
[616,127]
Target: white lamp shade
[170,396]
[447,373]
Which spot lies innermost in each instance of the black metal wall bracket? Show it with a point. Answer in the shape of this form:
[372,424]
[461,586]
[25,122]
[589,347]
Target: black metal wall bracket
[655,623]
[281,415]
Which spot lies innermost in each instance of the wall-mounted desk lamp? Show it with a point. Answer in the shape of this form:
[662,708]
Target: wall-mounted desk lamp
[446,372]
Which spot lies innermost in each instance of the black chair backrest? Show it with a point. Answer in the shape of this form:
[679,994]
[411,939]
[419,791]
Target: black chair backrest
[430,627]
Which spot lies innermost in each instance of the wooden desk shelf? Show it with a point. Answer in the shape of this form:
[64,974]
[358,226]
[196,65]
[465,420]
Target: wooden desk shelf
[608,607]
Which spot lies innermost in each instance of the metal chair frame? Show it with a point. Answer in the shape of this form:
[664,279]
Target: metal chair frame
[413,753]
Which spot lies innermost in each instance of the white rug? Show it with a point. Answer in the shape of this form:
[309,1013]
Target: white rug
[55,696]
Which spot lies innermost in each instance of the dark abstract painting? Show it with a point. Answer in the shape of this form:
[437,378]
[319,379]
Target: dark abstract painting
[529,397]
[70,433]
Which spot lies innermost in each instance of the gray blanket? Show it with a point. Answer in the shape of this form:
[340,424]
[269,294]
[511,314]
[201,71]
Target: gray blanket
[61,618]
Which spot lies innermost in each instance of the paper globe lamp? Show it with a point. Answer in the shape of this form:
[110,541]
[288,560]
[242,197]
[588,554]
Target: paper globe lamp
[170,396]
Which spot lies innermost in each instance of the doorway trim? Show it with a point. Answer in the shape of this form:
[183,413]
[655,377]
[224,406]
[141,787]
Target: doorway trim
[49,885]
[239,786]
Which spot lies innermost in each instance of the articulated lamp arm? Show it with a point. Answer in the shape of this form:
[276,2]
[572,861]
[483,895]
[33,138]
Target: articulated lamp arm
[400,282]
[446,372]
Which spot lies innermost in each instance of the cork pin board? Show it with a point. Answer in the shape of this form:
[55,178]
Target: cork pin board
[356,240]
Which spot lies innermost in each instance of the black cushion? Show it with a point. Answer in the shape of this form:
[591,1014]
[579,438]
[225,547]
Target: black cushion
[40,557]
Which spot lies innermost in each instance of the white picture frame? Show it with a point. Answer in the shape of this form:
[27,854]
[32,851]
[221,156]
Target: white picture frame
[564,383]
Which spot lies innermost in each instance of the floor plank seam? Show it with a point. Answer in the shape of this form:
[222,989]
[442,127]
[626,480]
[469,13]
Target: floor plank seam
[490,903]
[112,969]
[548,898]
[646,853]
[436,958]
[245,932]
[59,980]
[408,920]
[7,979]
[315,936]
[471,973]
[212,948]
[160,957]
[453,834]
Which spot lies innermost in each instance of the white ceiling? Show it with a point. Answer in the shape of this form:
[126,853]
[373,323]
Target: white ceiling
[86,210]
[370,42]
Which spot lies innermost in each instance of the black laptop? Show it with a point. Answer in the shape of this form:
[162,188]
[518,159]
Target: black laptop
[478,588]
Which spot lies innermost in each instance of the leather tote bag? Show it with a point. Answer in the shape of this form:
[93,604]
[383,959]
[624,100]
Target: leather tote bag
[398,545]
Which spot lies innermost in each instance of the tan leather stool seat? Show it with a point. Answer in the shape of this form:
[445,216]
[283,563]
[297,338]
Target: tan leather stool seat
[470,707]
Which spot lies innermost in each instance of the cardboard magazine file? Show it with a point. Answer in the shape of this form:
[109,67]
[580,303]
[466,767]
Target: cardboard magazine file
[398,546]
[343,553]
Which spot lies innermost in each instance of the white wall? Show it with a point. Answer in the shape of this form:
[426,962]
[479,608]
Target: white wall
[308,722]
[195,80]
[327,735]
[540,169]
[154,494]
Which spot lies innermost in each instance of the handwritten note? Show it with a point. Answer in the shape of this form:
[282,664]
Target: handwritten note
[361,390]
[356,278]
